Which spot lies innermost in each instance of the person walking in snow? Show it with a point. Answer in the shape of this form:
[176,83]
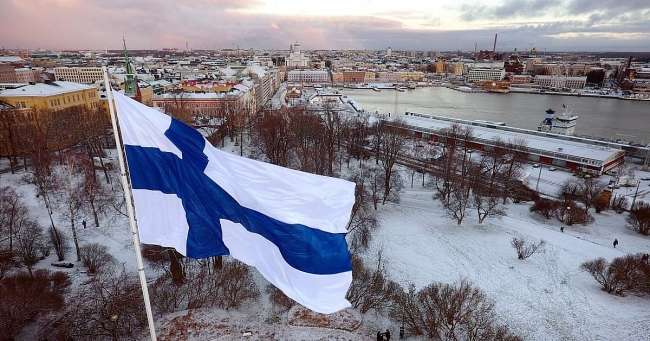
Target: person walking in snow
[562,228]
[380,337]
[615,242]
[387,334]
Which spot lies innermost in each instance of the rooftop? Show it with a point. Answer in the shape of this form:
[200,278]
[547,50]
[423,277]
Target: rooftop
[45,89]
[549,144]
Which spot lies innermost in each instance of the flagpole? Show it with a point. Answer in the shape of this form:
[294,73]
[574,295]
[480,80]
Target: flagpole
[129,206]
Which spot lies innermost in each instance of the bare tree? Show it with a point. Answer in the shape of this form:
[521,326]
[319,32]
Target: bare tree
[230,108]
[30,244]
[309,141]
[515,159]
[10,128]
[370,289]
[59,243]
[450,172]
[12,211]
[487,204]
[70,196]
[98,197]
[629,273]
[570,213]
[451,312]
[526,249]
[107,306]
[391,147]
[375,181]
[270,136]
[639,218]
[278,298]
[585,190]
[96,257]
[41,173]
[458,201]
[545,207]
[363,220]
[178,106]
[225,288]
[89,128]
[26,297]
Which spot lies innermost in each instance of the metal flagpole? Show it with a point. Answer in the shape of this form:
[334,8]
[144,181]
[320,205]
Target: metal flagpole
[129,206]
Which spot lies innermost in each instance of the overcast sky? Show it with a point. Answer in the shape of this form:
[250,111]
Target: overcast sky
[548,25]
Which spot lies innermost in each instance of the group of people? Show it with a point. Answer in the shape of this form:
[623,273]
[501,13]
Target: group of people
[383,336]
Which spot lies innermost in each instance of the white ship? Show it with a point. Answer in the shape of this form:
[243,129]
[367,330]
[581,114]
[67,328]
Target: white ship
[562,124]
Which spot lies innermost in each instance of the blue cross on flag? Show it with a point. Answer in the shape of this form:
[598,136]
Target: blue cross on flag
[204,202]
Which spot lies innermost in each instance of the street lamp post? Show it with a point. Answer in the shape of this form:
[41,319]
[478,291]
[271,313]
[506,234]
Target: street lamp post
[401,329]
[635,193]
[114,318]
[538,177]
[568,218]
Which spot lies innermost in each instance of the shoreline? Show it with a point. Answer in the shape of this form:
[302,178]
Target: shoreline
[467,89]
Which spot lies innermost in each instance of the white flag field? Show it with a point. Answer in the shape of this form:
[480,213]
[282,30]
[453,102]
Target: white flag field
[204,202]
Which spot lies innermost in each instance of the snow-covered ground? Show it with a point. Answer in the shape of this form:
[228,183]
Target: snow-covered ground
[545,297]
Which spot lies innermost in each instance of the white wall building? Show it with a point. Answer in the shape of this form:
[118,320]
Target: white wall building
[83,75]
[308,76]
[477,75]
[296,58]
[556,81]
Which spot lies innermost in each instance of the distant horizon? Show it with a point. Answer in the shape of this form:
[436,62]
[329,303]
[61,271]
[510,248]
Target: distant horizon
[445,25]
[120,49]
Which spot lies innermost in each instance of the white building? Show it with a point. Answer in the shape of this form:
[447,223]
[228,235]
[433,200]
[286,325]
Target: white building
[296,58]
[477,75]
[308,76]
[83,75]
[557,81]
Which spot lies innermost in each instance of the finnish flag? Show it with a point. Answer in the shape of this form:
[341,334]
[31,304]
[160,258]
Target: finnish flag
[204,202]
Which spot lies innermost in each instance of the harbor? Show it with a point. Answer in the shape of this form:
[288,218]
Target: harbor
[601,118]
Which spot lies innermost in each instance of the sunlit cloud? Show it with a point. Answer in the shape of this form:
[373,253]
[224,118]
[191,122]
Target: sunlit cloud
[336,24]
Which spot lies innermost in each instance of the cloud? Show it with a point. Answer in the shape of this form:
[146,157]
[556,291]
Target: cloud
[217,24]
[509,9]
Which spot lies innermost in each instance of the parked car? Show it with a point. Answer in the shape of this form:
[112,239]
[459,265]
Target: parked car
[552,169]
[535,165]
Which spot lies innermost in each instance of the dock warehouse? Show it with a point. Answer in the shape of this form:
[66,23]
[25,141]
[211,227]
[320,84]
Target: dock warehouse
[575,153]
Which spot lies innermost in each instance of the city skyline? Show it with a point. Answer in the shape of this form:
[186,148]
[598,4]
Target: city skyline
[547,25]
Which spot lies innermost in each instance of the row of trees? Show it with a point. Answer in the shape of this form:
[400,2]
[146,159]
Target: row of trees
[70,189]
[292,137]
[41,135]
[463,181]
[627,274]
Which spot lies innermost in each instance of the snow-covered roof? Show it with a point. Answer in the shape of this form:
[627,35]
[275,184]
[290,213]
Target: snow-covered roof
[45,89]
[10,59]
[196,96]
[241,87]
[549,144]
[256,69]
[228,72]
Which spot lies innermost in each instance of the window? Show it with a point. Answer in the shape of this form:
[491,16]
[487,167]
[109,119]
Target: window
[23,105]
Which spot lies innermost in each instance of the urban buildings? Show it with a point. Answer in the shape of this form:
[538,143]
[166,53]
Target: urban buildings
[51,95]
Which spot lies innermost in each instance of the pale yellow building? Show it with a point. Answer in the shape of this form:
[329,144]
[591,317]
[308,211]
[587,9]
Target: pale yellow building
[51,95]
[84,75]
